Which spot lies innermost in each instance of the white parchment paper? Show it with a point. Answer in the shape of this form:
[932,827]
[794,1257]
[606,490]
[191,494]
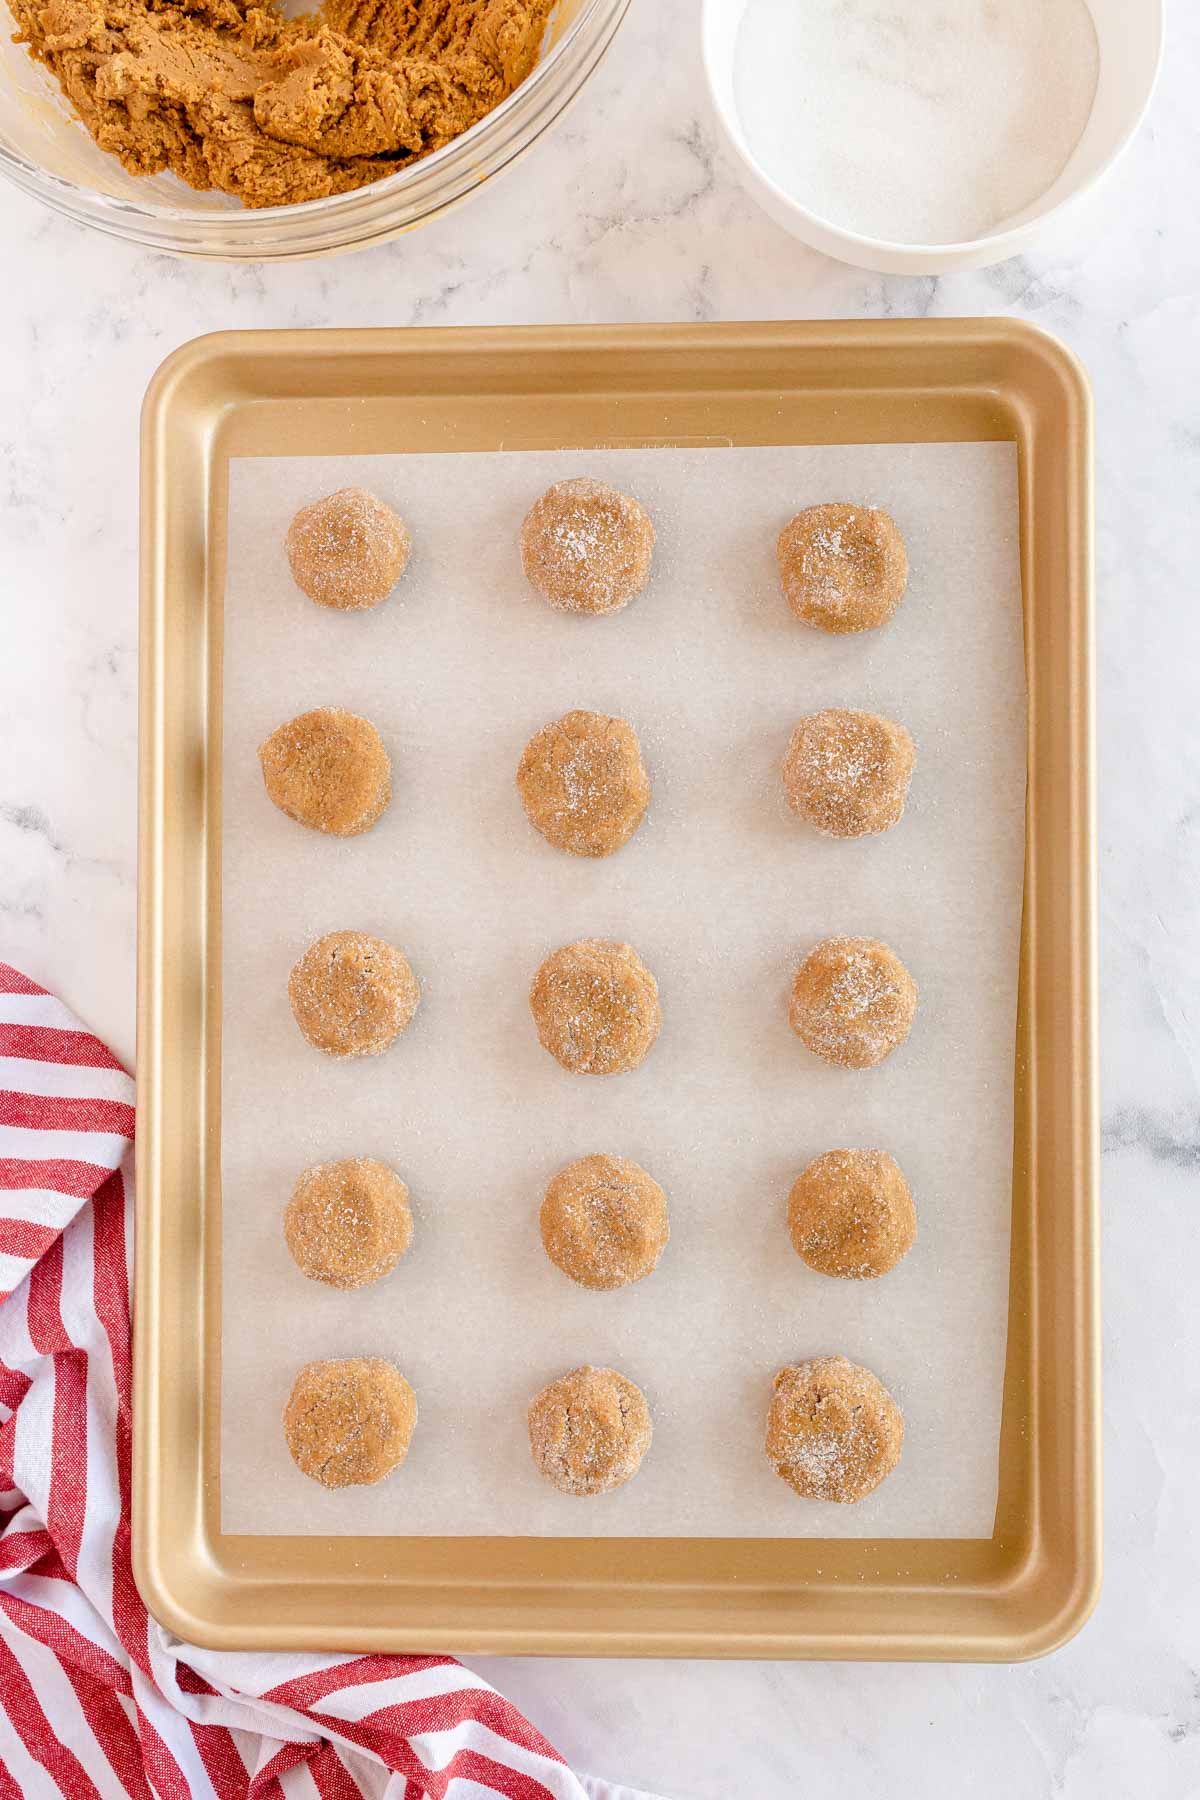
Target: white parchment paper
[722,891]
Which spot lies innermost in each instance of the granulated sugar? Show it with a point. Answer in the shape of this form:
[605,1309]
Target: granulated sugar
[915,121]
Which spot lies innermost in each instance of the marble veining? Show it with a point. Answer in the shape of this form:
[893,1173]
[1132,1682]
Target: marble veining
[630,210]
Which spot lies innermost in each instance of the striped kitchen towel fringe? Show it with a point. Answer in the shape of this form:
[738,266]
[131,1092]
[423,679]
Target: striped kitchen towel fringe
[96,1702]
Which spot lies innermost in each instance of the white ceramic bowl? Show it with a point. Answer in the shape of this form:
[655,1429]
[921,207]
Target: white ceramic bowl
[1130,34]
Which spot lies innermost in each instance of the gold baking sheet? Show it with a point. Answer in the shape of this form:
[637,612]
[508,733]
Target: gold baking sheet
[342,392]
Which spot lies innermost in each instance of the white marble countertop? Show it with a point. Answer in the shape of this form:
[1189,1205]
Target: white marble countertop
[630,211]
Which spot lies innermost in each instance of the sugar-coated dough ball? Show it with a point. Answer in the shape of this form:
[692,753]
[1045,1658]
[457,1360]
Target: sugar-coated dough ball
[833,1430]
[851,1214]
[352,994]
[349,1423]
[582,783]
[604,1222]
[843,568]
[349,550]
[589,1431]
[348,1223]
[586,547]
[595,1006]
[853,1001]
[848,772]
[328,769]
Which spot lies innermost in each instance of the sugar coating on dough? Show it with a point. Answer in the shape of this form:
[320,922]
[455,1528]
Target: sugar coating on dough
[586,547]
[589,1430]
[583,784]
[833,1430]
[851,1214]
[843,568]
[348,1223]
[328,769]
[349,1422]
[595,1006]
[352,994]
[848,772]
[604,1222]
[853,1001]
[348,550]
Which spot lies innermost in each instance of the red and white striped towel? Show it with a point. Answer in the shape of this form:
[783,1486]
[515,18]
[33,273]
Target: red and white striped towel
[96,1702]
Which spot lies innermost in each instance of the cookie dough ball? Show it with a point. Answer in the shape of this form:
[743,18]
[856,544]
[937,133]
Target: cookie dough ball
[582,783]
[589,1431]
[328,769]
[352,994]
[847,772]
[604,1222]
[833,1430]
[853,1001]
[586,547]
[348,551]
[843,568]
[348,1223]
[349,1423]
[595,1005]
[851,1214]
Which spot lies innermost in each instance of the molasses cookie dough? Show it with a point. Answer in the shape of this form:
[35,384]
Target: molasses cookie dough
[328,769]
[847,773]
[851,1214]
[583,784]
[348,1223]
[595,1006]
[604,1222]
[833,1430]
[348,550]
[349,1422]
[589,1430]
[853,1001]
[586,547]
[352,994]
[231,94]
[843,568]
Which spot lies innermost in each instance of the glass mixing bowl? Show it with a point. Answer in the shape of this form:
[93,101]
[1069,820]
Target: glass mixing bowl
[46,151]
